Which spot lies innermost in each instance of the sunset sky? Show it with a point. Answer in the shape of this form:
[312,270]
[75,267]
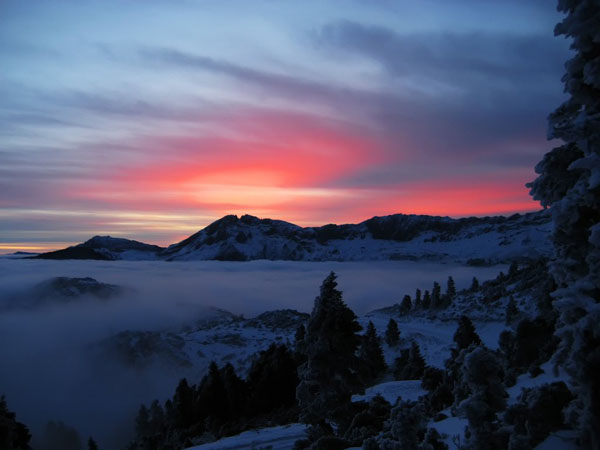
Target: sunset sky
[149,119]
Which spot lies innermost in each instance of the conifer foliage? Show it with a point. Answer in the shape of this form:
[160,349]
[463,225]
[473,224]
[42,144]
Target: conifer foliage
[569,183]
[465,334]
[329,376]
[392,334]
[13,435]
[371,361]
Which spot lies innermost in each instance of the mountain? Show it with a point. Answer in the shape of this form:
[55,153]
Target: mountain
[106,248]
[472,240]
[61,290]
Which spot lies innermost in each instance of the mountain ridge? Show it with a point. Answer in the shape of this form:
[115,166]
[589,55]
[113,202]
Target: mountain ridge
[395,237]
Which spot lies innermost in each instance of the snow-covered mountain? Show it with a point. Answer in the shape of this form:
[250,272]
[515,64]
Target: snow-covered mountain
[106,248]
[473,240]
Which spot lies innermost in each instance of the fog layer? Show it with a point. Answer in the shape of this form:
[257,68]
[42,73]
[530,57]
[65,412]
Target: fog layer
[46,368]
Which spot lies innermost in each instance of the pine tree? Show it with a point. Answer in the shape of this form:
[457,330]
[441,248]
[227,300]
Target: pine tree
[451,288]
[465,334]
[92,444]
[416,362]
[475,284]
[482,374]
[392,334]
[436,299]
[418,299]
[13,435]
[512,312]
[272,380]
[411,364]
[569,183]
[328,378]
[513,269]
[236,392]
[142,422]
[406,305]
[426,300]
[183,405]
[370,356]
[210,396]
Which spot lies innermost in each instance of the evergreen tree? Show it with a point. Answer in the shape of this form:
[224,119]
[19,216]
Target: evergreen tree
[392,334]
[272,380]
[211,396]
[92,444]
[236,392]
[183,405]
[299,338]
[569,183]
[370,356]
[157,418]
[436,299]
[13,435]
[465,335]
[482,373]
[406,305]
[512,312]
[475,284]
[418,299]
[451,289]
[328,378]
[426,300]
[59,435]
[513,269]
[411,364]
[142,422]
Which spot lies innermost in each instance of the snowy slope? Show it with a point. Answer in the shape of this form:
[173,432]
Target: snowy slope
[217,336]
[274,438]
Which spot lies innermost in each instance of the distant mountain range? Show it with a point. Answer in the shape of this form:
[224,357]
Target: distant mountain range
[472,240]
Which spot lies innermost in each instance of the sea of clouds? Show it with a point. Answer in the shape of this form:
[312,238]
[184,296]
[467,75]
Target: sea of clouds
[46,368]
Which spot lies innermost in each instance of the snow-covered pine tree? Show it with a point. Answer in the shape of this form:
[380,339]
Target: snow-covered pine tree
[569,183]
[482,372]
[329,376]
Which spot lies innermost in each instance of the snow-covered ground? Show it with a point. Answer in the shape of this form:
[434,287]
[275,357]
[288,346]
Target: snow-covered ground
[274,438]
[392,391]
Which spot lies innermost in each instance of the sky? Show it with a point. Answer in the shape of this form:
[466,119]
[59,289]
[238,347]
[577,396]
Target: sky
[149,120]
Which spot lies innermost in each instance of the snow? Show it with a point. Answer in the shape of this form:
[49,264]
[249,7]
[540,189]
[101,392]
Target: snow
[450,427]
[526,381]
[560,440]
[274,438]
[392,391]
